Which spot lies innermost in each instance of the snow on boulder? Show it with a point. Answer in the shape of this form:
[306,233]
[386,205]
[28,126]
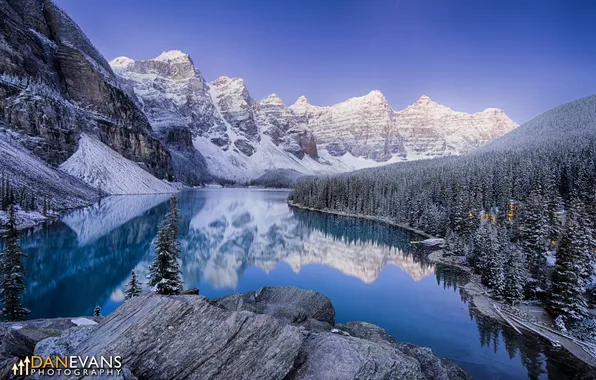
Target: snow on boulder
[101,167]
[83,322]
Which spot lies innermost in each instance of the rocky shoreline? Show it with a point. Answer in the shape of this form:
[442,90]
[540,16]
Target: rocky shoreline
[271,333]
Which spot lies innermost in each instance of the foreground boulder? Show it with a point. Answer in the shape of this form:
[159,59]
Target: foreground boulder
[286,303]
[19,339]
[273,333]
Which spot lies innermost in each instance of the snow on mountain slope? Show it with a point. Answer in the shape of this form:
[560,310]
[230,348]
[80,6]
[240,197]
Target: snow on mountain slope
[102,167]
[55,85]
[565,124]
[241,138]
[238,137]
[24,170]
[431,130]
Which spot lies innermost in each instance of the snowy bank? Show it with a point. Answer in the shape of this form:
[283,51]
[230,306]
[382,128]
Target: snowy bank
[103,168]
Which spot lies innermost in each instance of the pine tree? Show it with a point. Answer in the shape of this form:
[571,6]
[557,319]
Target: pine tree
[515,274]
[10,196]
[586,243]
[173,218]
[453,243]
[478,256]
[32,204]
[164,272]
[133,288]
[12,272]
[494,276]
[535,232]
[568,286]
[97,311]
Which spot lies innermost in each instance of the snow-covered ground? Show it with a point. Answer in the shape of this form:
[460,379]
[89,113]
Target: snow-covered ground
[234,165]
[24,170]
[25,219]
[101,167]
[241,138]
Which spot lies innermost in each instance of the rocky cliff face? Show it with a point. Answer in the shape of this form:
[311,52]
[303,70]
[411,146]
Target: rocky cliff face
[368,127]
[271,333]
[363,127]
[433,130]
[241,138]
[54,85]
[235,136]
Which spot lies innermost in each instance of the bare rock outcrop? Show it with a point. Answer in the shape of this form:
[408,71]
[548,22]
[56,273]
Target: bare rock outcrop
[55,85]
[272,333]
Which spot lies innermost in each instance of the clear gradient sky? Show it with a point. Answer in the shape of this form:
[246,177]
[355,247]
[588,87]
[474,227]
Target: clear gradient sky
[524,56]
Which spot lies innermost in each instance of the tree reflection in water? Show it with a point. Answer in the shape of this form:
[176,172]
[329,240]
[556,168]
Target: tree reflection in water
[539,357]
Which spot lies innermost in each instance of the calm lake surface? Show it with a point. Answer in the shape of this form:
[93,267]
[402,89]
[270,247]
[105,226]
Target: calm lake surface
[236,240]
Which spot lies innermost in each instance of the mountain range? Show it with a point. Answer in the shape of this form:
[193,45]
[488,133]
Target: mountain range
[241,137]
[137,126]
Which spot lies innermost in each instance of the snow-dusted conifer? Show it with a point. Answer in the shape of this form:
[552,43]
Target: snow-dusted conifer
[560,324]
[494,275]
[164,272]
[515,273]
[568,285]
[133,288]
[97,311]
[453,243]
[535,232]
[12,272]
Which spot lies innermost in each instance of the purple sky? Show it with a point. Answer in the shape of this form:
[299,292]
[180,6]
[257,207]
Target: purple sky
[524,56]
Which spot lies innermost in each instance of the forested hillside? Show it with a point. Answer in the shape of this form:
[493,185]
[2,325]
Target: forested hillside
[522,209]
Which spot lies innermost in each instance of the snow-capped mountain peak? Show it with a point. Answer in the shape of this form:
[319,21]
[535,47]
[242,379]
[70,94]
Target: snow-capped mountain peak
[424,99]
[272,99]
[427,108]
[173,55]
[233,131]
[121,62]
[376,95]
[301,100]
[373,97]
[426,102]
[493,111]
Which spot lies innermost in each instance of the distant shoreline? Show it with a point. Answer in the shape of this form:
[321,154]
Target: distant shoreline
[366,217]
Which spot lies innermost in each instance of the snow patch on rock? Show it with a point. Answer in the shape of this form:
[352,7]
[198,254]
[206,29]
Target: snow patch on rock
[105,169]
[83,322]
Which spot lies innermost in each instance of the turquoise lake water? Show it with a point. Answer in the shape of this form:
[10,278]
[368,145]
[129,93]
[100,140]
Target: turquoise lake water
[236,240]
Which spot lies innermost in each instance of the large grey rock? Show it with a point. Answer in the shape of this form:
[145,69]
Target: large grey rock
[65,343]
[328,356]
[432,366]
[368,331]
[192,337]
[184,337]
[287,303]
[18,339]
[55,85]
